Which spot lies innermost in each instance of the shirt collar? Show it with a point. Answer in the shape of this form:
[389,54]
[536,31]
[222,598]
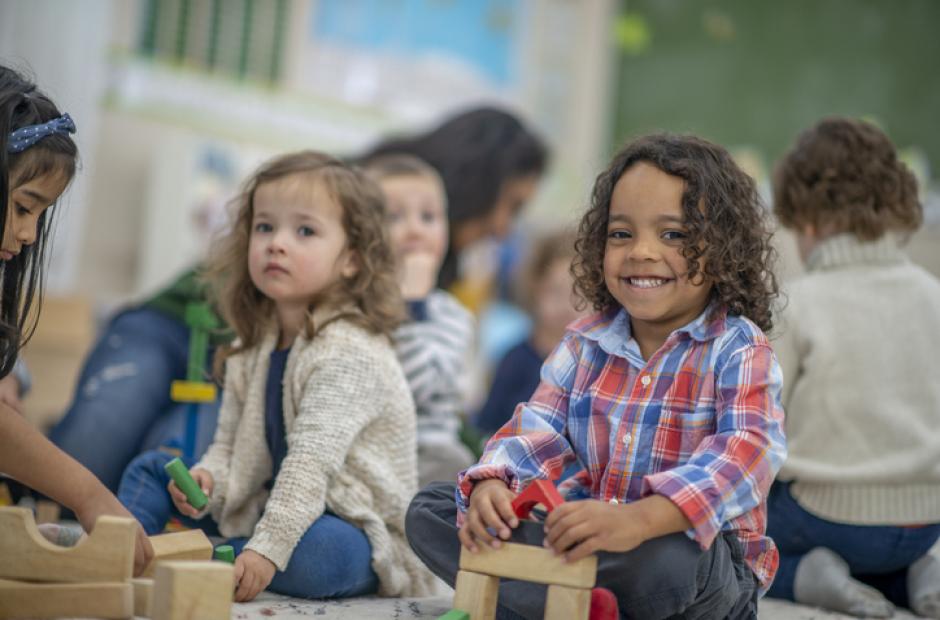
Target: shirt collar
[847,249]
[611,329]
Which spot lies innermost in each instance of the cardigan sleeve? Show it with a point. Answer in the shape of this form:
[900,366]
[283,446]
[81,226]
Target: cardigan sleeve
[340,396]
[218,456]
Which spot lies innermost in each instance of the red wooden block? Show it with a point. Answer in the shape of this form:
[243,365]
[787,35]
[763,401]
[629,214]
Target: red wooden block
[603,605]
[539,492]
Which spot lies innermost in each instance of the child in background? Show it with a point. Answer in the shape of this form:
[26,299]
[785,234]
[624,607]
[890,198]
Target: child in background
[858,500]
[547,294]
[668,396]
[313,461]
[435,344]
[37,162]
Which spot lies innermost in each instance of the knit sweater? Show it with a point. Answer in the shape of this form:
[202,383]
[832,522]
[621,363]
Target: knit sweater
[860,351]
[350,425]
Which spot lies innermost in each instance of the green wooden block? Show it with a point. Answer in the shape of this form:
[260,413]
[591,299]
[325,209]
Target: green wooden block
[194,495]
[225,553]
[455,614]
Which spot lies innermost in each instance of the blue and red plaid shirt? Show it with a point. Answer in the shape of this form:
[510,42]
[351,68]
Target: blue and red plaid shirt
[700,423]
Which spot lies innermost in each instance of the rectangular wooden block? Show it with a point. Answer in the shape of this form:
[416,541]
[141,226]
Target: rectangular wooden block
[47,512]
[564,603]
[106,555]
[476,594]
[55,600]
[192,590]
[143,596]
[530,563]
[188,545]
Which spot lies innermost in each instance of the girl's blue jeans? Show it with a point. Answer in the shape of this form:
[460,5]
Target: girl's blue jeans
[332,560]
[122,399]
[876,555]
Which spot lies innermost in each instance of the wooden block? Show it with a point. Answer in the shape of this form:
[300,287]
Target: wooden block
[54,600]
[530,563]
[6,498]
[564,603]
[192,591]
[455,614]
[476,594]
[187,545]
[105,555]
[47,512]
[192,392]
[143,596]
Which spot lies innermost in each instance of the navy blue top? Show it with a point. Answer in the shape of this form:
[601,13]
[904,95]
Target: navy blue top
[274,411]
[514,382]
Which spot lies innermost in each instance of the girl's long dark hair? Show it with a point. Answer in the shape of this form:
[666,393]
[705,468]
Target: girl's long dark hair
[21,278]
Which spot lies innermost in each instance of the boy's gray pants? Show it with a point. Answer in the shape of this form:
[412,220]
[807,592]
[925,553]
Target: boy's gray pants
[667,577]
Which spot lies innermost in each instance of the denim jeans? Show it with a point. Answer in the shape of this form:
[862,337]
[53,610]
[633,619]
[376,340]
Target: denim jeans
[122,400]
[665,577]
[876,555]
[332,560]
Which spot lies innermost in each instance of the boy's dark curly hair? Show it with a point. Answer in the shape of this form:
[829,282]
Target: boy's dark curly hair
[843,175]
[728,240]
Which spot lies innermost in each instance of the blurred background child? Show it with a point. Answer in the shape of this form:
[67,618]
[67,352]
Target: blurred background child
[437,341]
[857,504]
[546,292]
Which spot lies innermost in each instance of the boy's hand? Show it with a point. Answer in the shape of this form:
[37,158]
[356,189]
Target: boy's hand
[106,504]
[581,528]
[490,507]
[253,573]
[417,274]
[204,479]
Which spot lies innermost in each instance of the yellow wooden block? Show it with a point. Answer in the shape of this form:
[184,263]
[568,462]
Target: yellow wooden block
[476,594]
[6,498]
[143,596]
[186,545]
[564,603]
[192,590]
[530,563]
[107,554]
[192,392]
[55,600]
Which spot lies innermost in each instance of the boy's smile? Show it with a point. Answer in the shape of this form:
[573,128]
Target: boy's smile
[643,265]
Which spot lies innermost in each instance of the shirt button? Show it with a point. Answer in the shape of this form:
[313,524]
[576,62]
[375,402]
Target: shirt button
[645,380]
[614,500]
[627,439]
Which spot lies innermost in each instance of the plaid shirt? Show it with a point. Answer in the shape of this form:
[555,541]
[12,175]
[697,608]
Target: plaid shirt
[700,423]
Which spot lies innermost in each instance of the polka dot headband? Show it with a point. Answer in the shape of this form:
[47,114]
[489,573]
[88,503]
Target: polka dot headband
[25,137]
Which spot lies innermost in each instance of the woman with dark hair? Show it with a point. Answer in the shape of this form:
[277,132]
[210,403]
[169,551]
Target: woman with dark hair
[491,165]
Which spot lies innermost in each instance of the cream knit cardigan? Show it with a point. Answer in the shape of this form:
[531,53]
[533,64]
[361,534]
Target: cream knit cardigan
[350,424]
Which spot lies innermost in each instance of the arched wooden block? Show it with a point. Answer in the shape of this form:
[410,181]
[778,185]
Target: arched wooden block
[105,555]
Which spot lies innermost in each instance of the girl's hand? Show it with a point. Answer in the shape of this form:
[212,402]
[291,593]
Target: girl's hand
[253,573]
[490,507]
[578,529]
[106,504]
[204,479]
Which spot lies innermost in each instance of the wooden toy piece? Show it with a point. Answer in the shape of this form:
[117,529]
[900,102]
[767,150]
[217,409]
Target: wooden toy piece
[564,603]
[539,492]
[604,605]
[180,475]
[476,594]
[192,590]
[529,563]
[54,600]
[143,596]
[201,320]
[186,545]
[47,512]
[225,553]
[6,498]
[107,554]
[455,614]
[192,392]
